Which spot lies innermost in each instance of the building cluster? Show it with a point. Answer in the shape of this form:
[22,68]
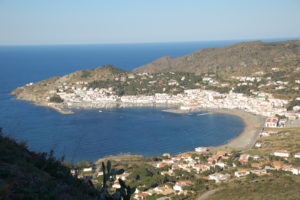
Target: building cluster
[216,165]
[192,99]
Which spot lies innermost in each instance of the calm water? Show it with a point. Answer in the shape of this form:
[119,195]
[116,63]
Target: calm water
[89,134]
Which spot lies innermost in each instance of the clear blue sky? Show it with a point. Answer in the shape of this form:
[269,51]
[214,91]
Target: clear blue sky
[134,21]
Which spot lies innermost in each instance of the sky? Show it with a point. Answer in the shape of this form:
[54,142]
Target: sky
[40,22]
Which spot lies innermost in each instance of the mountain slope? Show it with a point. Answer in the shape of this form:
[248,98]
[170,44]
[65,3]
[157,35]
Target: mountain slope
[39,91]
[28,175]
[243,56]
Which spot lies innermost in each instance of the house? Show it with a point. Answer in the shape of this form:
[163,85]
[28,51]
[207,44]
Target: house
[259,172]
[141,195]
[74,172]
[159,165]
[297,155]
[116,185]
[122,176]
[290,168]
[296,108]
[265,134]
[201,167]
[256,157]
[213,159]
[87,169]
[241,173]
[271,122]
[180,184]
[295,170]
[244,158]
[258,165]
[221,164]
[168,161]
[258,145]
[282,153]
[218,177]
[201,149]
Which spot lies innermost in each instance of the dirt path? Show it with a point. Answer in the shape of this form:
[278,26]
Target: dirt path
[207,194]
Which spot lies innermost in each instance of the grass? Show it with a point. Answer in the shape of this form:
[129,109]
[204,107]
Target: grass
[277,186]
[263,188]
[287,140]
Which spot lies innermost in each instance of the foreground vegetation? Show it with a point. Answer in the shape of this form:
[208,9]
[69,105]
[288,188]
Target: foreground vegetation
[28,175]
[277,187]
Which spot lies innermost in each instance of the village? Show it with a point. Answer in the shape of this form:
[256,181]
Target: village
[202,167]
[262,104]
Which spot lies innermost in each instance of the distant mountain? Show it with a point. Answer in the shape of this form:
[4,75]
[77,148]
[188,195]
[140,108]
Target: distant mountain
[243,56]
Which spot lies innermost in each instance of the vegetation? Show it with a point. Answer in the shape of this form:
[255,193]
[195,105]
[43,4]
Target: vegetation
[109,175]
[56,99]
[287,139]
[275,188]
[293,103]
[29,175]
[172,83]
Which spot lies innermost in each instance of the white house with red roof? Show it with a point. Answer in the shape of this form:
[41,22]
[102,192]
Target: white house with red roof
[271,122]
[282,153]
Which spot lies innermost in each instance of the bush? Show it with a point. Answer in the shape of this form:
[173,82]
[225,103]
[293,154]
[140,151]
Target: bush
[56,99]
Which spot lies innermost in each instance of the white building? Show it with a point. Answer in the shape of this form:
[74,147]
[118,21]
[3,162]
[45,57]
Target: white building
[297,155]
[219,177]
[241,173]
[201,149]
[88,169]
[271,122]
[282,153]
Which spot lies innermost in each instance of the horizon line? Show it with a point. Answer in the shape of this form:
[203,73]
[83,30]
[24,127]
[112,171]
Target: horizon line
[161,42]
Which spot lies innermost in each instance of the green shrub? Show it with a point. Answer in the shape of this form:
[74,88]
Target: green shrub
[56,99]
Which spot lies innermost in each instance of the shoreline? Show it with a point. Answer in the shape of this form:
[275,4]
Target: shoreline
[246,139]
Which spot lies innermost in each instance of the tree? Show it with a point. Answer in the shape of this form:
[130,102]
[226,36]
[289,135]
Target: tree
[109,175]
[56,99]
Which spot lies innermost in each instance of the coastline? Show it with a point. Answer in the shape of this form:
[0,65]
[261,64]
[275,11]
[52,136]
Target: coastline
[246,139]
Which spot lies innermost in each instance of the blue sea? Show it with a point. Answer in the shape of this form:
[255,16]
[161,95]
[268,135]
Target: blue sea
[90,134]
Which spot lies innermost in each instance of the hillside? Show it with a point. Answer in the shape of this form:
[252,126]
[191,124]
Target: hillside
[28,175]
[38,92]
[244,57]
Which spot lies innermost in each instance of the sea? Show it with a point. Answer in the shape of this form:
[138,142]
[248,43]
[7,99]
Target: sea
[93,134]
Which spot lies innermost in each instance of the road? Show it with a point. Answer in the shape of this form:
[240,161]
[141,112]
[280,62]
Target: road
[207,194]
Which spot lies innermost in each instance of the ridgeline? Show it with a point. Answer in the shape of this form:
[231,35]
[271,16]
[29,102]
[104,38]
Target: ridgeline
[243,57]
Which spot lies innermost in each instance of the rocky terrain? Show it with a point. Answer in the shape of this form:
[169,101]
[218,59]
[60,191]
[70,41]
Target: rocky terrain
[244,57]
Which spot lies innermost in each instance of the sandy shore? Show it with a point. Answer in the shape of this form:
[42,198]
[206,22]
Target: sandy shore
[246,140]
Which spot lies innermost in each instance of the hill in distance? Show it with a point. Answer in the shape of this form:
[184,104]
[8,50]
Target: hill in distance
[241,57]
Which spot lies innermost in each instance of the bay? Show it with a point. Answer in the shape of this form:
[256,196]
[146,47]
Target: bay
[90,134]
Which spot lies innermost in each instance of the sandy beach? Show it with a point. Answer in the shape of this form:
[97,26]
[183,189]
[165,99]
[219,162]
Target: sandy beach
[246,140]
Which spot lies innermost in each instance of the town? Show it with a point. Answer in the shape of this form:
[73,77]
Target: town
[188,174]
